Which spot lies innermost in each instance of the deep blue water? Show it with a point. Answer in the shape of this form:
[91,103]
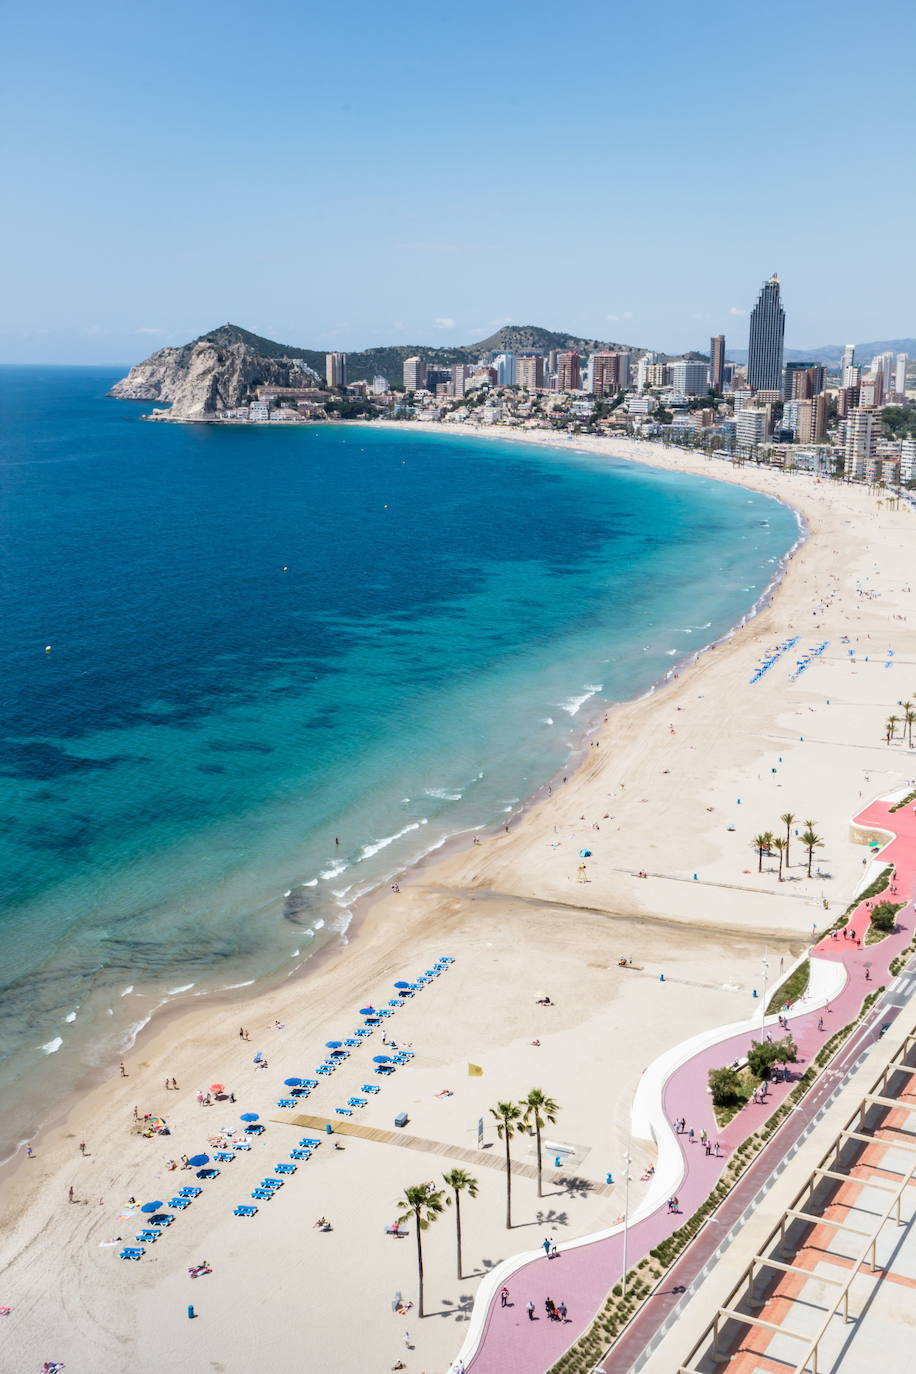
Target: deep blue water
[266,639]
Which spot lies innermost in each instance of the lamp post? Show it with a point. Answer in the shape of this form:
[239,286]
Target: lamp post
[766,968]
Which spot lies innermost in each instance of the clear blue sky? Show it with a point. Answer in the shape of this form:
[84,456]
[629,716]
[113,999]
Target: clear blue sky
[345,175]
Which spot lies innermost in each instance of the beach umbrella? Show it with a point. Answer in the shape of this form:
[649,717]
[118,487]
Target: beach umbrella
[198,1160]
[151,1207]
[381,1059]
[292,1082]
[333,1044]
[403,985]
[216,1087]
[248,1116]
[258,1057]
[157,1122]
[367,1011]
[585,853]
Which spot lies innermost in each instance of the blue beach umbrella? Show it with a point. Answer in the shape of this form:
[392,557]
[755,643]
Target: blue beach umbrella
[197,1160]
[259,1056]
[402,984]
[249,1116]
[367,1011]
[585,853]
[292,1082]
[381,1059]
[151,1207]
[333,1044]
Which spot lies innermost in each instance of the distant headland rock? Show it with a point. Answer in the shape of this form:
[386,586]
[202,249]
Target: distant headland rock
[220,370]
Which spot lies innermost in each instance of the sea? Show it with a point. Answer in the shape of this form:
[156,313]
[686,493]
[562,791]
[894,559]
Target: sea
[251,673]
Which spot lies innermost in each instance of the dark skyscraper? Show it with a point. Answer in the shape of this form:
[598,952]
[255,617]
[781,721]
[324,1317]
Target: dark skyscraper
[764,348]
[717,361]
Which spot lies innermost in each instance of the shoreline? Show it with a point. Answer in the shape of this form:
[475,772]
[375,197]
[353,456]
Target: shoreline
[165,1013]
[451,895]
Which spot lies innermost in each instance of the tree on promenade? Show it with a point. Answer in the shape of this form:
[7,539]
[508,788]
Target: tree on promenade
[763,1054]
[779,845]
[787,819]
[811,841]
[460,1181]
[507,1116]
[762,843]
[538,1109]
[425,1205]
[725,1086]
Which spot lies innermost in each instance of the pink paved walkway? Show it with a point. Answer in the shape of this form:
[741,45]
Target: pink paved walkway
[511,1343]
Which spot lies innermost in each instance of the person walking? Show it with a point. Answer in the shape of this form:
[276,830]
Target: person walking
[562,1310]
[530,1304]
[504,1297]
[546,1244]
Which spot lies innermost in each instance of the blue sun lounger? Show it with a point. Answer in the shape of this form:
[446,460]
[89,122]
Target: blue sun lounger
[224,1156]
[148,1237]
[245,1211]
[284,1168]
[309,1083]
[271,1183]
[286,1103]
[208,1173]
[263,1194]
[351,1043]
[254,1129]
[356,1102]
[189,1191]
[300,1154]
[179,1203]
[308,1143]
[343,1111]
[371,1088]
[363,1030]
[161,1219]
[133,1252]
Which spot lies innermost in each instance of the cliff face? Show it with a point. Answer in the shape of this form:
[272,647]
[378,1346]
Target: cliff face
[213,373]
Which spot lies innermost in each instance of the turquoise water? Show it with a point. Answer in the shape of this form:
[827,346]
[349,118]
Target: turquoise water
[266,641]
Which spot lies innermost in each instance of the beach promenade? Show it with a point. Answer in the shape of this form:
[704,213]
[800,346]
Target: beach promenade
[582,1273]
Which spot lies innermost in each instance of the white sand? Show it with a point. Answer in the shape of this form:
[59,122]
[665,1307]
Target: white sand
[283,1295]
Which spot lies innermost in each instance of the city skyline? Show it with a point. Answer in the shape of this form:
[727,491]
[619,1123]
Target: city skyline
[281,193]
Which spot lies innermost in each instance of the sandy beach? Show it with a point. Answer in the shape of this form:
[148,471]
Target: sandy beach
[674,787]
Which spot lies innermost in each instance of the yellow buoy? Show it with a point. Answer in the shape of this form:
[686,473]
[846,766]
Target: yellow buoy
[47,648]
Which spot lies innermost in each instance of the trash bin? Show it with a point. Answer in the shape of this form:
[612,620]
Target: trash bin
[401,1119]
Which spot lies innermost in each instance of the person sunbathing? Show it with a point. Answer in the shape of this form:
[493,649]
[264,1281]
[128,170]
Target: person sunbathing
[446,1092]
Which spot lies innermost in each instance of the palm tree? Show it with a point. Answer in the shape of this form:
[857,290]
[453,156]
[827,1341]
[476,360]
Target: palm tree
[538,1110]
[787,818]
[460,1181]
[909,719]
[507,1116]
[811,842]
[780,846]
[890,727]
[762,844]
[424,1205]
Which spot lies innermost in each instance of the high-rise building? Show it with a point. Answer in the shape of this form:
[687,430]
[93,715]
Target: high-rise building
[459,379]
[689,378]
[379,385]
[568,375]
[505,369]
[847,398]
[751,425]
[861,441]
[871,389]
[529,371]
[908,460]
[414,374]
[900,376]
[646,361]
[606,373]
[883,367]
[717,362]
[803,380]
[623,368]
[811,427]
[335,369]
[847,362]
[765,340]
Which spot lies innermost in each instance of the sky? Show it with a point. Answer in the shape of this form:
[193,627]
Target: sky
[341,176]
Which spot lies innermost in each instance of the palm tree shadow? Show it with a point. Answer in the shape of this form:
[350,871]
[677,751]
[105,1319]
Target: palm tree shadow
[572,1186]
[459,1311]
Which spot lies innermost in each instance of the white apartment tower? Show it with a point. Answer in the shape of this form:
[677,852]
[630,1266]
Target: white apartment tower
[900,375]
[861,442]
[505,369]
[848,366]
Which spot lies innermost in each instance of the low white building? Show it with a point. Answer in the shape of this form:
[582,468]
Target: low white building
[259,411]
